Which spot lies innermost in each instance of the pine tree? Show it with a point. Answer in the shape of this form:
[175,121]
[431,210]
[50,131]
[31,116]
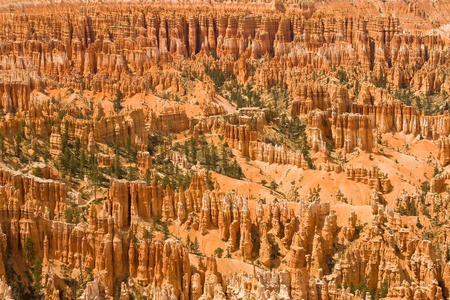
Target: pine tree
[188,242]
[73,162]
[117,166]
[18,145]
[214,157]
[118,101]
[34,157]
[95,177]
[37,172]
[207,156]
[149,235]
[37,277]
[28,250]
[150,147]
[77,147]
[116,146]
[235,170]
[223,159]
[412,208]
[186,149]
[209,182]
[2,146]
[196,246]
[128,146]
[251,124]
[65,136]
[418,224]
[130,176]
[148,177]
[165,230]
[82,160]
[218,252]
[165,181]
[193,150]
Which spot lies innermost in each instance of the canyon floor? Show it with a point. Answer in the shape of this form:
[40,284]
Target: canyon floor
[225,150]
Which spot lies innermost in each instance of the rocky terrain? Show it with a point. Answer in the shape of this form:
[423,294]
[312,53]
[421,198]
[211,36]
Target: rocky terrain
[225,150]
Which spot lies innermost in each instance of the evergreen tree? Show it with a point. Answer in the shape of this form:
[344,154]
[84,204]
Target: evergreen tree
[111,170]
[116,146]
[418,224]
[218,252]
[223,159]
[251,124]
[2,146]
[18,145]
[214,157]
[209,182]
[165,181]
[118,101]
[65,136]
[193,150]
[186,149]
[130,176]
[148,177]
[37,172]
[207,156]
[37,277]
[412,208]
[77,147]
[234,170]
[188,242]
[34,157]
[117,167]
[28,250]
[150,147]
[162,155]
[196,246]
[73,163]
[128,146]
[149,235]
[82,161]
[95,175]
[165,230]
[46,155]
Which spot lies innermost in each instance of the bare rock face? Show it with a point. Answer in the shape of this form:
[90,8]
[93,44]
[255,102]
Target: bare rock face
[278,155]
[244,138]
[444,151]
[265,254]
[5,290]
[172,119]
[373,178]
[308,234]
[134,200]
[130,125]
[350,131]
[91,143]
[355,127]
[309,97]
[15,96]
[267,285]
[119,199]
[93,290]
[192,33]
[352,71]
[55,142]
[162,266]
[78,246]
[349,230]
[144,161]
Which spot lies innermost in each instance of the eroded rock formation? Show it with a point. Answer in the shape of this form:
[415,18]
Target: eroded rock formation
[133,91]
